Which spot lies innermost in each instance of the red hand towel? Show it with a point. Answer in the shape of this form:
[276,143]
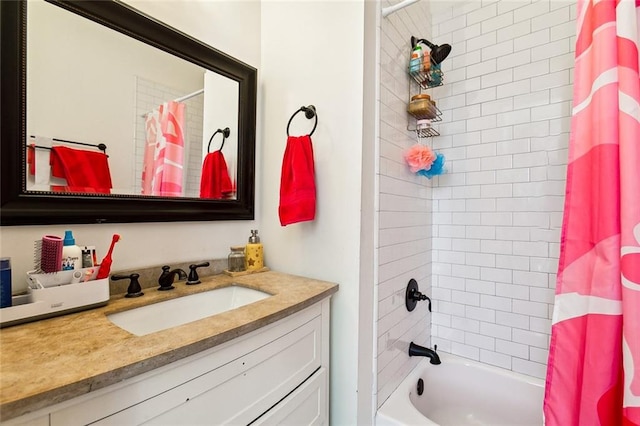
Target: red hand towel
[297,182]
[85,171]
[215,182]
[31,158]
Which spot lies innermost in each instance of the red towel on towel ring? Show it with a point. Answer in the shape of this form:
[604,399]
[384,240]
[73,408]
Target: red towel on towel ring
[297,182]
[215,182]
[85,171]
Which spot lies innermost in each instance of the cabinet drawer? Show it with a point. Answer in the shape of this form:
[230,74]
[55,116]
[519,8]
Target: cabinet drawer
[307,405]
[237,392]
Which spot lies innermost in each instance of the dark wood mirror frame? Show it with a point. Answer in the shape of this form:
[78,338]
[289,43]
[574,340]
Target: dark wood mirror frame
[21,207]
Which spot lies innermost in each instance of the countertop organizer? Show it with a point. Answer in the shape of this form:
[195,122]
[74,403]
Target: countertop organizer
[50,295]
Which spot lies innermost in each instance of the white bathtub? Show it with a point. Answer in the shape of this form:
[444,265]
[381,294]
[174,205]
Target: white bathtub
[462,392]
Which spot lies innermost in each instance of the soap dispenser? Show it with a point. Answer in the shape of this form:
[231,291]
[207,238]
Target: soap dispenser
[254,260]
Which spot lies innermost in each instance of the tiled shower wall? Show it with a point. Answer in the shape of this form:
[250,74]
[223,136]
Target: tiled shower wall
[497,214]
[404,249]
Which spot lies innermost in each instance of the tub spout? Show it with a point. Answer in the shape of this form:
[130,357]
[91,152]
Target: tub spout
[417,350]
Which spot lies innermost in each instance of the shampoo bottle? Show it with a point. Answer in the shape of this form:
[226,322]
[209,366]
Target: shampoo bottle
[254,260]
[71,253]
[416,59]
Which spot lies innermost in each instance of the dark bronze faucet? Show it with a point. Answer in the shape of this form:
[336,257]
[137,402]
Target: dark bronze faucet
[167,277]
[417,350]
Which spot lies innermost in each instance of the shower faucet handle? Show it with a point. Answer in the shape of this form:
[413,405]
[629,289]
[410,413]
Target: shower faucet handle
[413,296]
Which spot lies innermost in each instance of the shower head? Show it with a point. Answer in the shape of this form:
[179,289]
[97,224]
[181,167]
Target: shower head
[438,53]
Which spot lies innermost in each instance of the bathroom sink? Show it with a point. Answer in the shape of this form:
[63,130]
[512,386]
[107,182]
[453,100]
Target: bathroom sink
[171,313]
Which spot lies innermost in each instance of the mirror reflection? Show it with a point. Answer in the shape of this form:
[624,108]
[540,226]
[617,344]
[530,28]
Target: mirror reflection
[161,118]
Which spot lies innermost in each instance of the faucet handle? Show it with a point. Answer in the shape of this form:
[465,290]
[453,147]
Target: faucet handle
[413,296]
[134,289]
[166,279]
[193,274]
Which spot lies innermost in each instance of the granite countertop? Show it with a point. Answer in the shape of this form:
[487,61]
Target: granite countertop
[50,361]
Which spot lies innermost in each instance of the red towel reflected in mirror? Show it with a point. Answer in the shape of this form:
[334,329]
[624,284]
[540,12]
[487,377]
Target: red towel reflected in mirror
[84,171]
[215,182]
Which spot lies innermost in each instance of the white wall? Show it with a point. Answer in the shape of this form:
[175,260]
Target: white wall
[233,28]
[312,53]
[506,105]
[404,234]
[218,115]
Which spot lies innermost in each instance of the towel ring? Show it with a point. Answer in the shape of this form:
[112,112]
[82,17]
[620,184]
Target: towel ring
[225,134]
[309,112]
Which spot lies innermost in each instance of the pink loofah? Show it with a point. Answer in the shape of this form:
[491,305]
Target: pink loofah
[419,157]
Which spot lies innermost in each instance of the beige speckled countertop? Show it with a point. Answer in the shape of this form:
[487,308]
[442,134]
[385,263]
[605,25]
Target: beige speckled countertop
[50,361]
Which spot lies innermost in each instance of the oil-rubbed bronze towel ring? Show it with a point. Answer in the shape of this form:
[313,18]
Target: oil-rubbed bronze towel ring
[309,112]
[225,134]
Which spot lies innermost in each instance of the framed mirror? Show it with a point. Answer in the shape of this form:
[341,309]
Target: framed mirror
[111,116]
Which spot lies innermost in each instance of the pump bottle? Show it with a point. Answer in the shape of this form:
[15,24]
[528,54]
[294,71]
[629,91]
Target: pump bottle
[254,259]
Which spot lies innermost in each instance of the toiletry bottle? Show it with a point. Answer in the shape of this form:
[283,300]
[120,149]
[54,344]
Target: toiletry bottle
[254,259]
[5,282]
[415,64]
[71,253]
[416,53]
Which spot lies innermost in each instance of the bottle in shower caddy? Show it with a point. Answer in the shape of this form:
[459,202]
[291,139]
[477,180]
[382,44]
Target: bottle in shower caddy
[254,259]
[71,253]
[415,64]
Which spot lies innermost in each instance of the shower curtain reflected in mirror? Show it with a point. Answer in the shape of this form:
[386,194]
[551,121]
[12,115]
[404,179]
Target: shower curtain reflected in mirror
[164,150]
[593,373]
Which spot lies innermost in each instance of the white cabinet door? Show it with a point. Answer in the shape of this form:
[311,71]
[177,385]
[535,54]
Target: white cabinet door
[307,405]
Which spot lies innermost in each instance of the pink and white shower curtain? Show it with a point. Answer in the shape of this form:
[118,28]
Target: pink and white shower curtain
[593,375]
[164,150]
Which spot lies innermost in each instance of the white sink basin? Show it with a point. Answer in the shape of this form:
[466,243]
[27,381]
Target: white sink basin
[171,313]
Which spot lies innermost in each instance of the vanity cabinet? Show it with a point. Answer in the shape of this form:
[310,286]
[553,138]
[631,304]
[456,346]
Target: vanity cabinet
[277,374]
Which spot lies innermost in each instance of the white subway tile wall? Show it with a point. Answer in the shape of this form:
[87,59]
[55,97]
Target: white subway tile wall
[497,213]
[405,200]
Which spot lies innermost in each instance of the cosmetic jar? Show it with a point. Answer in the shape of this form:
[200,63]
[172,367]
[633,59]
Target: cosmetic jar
[236,259]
